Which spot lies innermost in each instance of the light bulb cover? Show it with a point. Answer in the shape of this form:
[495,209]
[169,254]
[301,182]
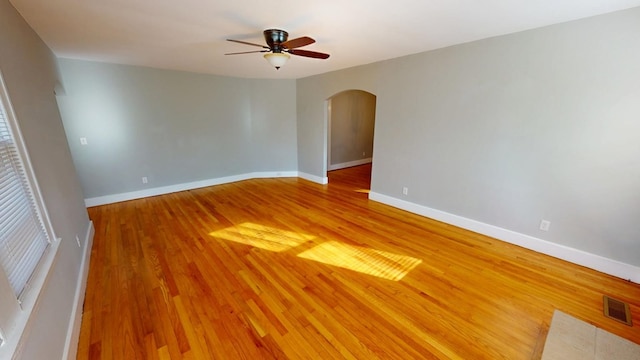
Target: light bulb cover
[277,59]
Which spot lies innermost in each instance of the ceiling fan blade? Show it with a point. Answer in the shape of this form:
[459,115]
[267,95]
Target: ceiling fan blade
[247,43]
[298,42]
[307,53]
[248,52]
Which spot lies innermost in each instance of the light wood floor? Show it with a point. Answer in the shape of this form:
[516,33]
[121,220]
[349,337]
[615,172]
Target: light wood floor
[289,269]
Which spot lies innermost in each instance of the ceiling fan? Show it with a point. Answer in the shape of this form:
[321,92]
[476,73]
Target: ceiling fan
[278,47]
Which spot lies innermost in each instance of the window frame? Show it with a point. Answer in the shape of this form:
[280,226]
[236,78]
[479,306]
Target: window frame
[16,313]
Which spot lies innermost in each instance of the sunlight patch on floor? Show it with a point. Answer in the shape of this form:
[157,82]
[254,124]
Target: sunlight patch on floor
[263,237]
[365,260]
[364,191]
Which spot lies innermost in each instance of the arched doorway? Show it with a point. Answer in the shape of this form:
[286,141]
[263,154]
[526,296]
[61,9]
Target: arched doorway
[350,129]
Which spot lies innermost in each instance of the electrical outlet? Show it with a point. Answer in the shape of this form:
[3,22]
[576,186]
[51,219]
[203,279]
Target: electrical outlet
[545,225]
[78,241]
[405,191]
[145,180]
[364,153]
[83,141]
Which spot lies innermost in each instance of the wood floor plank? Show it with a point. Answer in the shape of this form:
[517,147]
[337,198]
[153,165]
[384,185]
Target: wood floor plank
[288,269]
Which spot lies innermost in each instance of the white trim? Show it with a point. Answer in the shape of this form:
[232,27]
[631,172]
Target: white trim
[314,178]
[349,164]
[75,320]
[139,194]
[576,256]
[272,174]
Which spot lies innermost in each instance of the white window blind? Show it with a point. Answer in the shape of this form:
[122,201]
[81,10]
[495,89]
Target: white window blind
[23,239]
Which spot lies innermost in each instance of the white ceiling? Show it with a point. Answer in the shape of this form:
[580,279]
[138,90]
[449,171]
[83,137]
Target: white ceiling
[190,34]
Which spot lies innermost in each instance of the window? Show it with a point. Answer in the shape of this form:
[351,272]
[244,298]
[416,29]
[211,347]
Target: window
[27,248]
[23,240]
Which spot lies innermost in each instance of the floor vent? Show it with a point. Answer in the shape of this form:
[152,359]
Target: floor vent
[617,310]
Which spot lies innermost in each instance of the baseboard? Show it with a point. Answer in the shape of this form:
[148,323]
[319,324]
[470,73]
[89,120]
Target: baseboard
[576,256]
[75,321]
[313,178]
[272,174]
[349,164]
[109,199]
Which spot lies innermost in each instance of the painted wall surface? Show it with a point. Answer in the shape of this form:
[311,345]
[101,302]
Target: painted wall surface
[172,127]
[352,116]
[30,74]
[273,125]
[510,130]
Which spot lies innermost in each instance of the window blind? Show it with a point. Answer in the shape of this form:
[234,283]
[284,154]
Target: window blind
[23,239]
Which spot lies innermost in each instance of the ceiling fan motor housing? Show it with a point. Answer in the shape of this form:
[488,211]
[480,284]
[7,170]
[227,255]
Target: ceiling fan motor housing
[274,38]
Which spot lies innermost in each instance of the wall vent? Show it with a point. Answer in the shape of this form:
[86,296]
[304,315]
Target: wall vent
[617,310]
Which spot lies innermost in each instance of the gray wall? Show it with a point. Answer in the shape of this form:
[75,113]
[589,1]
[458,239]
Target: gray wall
[509,130]
[352,117]
[172,127]
[30,74]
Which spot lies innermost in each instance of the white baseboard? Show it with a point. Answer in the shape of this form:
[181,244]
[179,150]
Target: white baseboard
[576,256]
[272,174]
[313,178]
[349,164]
[139,194]
[75,321]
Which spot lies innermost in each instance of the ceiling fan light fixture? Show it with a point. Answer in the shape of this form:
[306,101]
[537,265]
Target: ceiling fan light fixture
[277,59]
